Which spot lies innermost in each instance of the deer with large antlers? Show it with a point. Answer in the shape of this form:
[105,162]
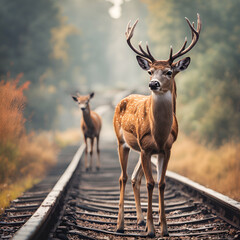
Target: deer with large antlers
[91,126]
[148,124]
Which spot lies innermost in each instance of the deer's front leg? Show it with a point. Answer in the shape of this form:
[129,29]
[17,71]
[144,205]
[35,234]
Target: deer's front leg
[123,152]
[161,172]
[91,154]
[86,153]
[136,183]
[146,164]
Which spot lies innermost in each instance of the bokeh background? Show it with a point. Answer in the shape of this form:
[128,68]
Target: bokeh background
[50,50]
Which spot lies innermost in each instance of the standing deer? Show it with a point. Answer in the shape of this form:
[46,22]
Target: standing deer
[148,124]
[91,126]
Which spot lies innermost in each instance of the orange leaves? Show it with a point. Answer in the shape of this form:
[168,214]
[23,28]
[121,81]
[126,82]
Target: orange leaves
[12,104]
[21,154]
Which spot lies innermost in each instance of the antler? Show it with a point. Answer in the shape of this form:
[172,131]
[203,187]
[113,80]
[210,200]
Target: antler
[129,34]
[195,37]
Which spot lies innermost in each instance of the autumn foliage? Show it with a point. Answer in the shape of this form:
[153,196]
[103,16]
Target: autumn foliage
[216,168]
[12,104]
[21,155]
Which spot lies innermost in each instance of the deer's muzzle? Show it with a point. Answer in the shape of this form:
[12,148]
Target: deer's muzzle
[154,84]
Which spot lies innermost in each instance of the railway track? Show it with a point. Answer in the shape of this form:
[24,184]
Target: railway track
[22,208]
[85,206]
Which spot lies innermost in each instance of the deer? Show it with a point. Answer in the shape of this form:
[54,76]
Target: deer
[91,124]
[148,125]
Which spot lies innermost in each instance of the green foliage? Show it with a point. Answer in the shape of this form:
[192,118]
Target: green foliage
[25,36]
[61,48]
[25,46]
[209,91]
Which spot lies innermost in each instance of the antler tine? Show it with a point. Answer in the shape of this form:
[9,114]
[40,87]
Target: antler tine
[195,37]
[192,32]
[146,54]
[199,24]
[182,48]
[153,59]
[191,26]
[171,52]
[129,34]
[130,30]
[140,47]
[127,29]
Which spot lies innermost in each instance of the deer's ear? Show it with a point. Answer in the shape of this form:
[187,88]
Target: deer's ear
[182,64]
[143,63]
[75,98]
[91,95]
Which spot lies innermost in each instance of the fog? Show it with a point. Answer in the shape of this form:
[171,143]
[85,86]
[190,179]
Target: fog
[63,47]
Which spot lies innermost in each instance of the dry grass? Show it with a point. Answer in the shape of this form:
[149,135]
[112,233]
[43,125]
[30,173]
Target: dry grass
[23,157]
[217,169]
[70,136]
[35,155]
[10,192]
[38,154]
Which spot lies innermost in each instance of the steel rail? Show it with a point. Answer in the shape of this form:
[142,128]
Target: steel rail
[39,225]
[35,227]
[89,216]
[225,207]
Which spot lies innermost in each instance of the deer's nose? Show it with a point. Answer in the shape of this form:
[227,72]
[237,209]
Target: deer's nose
[154,84]
[82,106]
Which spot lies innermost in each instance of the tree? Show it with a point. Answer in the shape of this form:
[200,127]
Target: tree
[27,46]
[209,91]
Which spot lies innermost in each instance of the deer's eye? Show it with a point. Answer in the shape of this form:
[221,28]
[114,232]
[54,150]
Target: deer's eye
[149,72]
[169,73]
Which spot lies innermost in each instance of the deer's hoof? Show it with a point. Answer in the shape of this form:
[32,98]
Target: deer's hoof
[120,230]
[164,231]
[87,169]
[141,223]
[151,234]
[165,234]
[97,168]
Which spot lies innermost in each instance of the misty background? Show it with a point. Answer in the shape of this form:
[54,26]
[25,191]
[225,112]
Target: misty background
[64,47]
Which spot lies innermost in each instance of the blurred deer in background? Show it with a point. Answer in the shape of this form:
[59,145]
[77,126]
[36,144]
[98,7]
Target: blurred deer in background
[91,124]
[148,124]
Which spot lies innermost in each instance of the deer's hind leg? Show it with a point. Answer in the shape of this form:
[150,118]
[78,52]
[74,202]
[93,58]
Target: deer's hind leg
[123,152]
[161,172]
[146,165]
[98,154]
[136,183]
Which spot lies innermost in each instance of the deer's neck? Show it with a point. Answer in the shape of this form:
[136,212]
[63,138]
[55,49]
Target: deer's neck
[161,117]
[87,118]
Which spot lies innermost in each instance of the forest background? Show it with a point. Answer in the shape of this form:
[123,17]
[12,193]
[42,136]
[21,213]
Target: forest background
[52,49]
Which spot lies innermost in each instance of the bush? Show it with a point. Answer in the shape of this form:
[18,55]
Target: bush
[216,168]
[21,154]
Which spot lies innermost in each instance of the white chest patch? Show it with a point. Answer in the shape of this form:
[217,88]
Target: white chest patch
[165,97]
